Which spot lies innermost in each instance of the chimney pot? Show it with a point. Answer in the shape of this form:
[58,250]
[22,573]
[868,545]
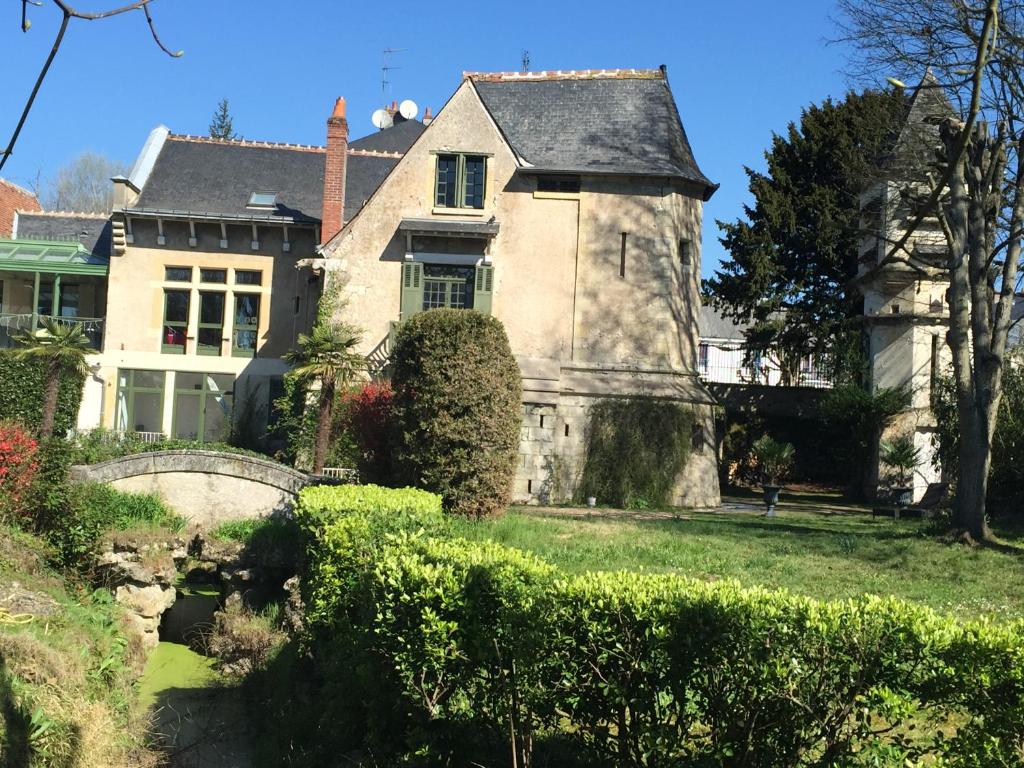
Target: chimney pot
[339,107]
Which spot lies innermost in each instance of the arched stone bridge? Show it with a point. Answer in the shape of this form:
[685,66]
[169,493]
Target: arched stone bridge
[206,487]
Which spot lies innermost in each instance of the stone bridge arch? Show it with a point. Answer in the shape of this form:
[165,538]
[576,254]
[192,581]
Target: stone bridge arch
[205,487]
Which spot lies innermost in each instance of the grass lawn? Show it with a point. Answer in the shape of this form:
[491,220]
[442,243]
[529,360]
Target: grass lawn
[826,556]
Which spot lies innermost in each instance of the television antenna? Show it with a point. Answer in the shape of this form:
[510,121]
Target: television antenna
[386,68]
[525,61]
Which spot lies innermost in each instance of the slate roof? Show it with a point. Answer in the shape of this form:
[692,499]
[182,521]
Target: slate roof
[715,325]
[203,176]
[92,231]
[604,121]
[397,138]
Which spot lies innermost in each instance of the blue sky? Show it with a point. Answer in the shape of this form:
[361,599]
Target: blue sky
[739,69]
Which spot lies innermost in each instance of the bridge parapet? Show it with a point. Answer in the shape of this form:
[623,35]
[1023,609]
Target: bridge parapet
[206,487]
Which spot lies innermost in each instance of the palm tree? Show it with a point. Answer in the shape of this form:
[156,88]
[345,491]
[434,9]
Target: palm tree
[327,355]
[62,347]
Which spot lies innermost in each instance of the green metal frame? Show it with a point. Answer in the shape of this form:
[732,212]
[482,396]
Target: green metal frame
[202,394]
[47,257]
[207,349]
[132,391]
[175,349]
[237,351]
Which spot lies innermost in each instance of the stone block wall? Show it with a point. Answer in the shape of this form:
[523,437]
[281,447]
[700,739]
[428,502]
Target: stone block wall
[552,451]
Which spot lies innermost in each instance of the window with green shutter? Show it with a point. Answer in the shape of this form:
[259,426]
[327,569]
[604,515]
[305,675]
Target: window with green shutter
[435,286]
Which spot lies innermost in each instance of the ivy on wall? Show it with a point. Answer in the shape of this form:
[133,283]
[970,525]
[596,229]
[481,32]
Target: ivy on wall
[22,383]
[636,448]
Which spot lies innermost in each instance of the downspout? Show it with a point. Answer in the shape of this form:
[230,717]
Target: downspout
[575,277]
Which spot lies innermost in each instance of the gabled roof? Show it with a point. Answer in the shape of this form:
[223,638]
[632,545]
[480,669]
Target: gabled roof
[919,135]
[622,122]
[89,230]
[214,178]
[398,138]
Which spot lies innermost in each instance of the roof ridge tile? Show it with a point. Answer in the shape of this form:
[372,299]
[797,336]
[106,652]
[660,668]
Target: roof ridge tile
[246,143]
[79,214]
[375,153]
[566,74]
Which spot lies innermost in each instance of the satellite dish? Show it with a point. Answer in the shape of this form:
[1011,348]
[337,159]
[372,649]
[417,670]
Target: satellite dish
[408,109]
[382,119]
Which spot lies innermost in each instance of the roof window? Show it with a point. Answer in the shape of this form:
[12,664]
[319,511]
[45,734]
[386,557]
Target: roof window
[262,200]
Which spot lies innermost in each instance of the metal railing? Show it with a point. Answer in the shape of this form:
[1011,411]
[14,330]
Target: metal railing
[120,435]
[12,325]
[724,373]
[341,473]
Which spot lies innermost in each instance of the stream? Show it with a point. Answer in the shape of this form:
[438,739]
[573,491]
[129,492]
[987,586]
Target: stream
[199,715]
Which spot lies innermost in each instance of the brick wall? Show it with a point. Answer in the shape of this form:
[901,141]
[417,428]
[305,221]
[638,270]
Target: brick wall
[14,198]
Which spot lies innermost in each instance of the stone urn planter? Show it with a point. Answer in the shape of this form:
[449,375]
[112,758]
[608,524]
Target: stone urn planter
[771,498]
[902,457]
[775,460]
[902,497]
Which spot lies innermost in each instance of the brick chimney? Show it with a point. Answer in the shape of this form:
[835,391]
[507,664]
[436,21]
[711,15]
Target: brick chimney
[332,218]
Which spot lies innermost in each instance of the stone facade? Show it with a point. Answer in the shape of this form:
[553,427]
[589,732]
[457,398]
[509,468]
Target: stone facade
[597,288]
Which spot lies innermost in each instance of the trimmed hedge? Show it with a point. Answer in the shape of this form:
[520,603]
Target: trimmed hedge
[444,649]
[457,401]
[22,387]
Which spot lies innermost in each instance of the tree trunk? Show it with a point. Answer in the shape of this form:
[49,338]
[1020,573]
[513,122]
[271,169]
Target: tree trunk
[325,408]
[49,415]
[972,487]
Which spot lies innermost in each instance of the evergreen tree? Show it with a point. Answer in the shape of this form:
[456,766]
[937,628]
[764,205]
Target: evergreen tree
[795,251]
[222,125]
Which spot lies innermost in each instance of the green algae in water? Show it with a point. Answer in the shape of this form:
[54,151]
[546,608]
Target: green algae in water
[172,665]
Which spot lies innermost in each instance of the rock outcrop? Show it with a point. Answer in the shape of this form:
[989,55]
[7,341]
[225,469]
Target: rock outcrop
[142,575]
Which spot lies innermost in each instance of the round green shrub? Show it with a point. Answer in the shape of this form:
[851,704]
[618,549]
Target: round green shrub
[457,396]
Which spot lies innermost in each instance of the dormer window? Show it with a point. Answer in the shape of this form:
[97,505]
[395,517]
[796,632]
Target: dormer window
[262,200]
[460,181]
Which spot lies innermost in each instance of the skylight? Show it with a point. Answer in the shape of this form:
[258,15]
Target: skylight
[262,200]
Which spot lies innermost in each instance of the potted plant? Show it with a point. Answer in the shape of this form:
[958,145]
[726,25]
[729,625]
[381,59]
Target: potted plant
[902,457]
[774,460]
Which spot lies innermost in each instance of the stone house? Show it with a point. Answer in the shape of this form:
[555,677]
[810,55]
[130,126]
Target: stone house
[210,279]
[722,357]
[906,310]
[569,205]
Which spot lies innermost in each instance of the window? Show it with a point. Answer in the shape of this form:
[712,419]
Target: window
[45,305]
[622,256]
[431,286]
[140,401]
[447,286]
[211,323]
[248,277]
[262,200]
[213,275]
[202,406]
[460,181]
[702,357]
[175,322]
[685,255]
[247,313]
[568,184]
[178,274]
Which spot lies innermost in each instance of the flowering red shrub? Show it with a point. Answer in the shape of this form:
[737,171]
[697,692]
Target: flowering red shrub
[19,462]
[368,421]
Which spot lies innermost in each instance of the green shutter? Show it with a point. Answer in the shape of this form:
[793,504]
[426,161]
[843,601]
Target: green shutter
[412,288]
[484,289]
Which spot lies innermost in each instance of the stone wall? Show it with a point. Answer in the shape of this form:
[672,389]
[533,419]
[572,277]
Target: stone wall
[205,487]
[552,451]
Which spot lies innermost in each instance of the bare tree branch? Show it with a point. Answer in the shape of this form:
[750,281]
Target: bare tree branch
[69,12]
